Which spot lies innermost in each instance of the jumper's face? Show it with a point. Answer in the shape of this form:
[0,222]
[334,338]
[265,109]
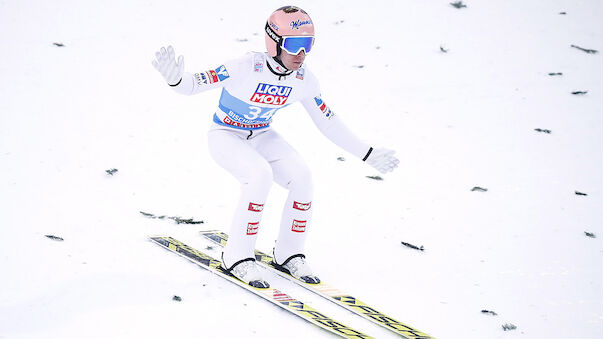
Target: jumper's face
[293,62]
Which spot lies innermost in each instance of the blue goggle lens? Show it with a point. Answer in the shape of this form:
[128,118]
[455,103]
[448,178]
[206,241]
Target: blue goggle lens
[293,45]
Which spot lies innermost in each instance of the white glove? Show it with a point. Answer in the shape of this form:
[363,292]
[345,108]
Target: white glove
[167,65]
[383,160]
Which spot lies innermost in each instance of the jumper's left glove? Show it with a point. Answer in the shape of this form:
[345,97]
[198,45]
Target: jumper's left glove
[167,65]
[382,159]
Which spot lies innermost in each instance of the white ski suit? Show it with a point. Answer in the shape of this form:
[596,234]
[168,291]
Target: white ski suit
[241,140]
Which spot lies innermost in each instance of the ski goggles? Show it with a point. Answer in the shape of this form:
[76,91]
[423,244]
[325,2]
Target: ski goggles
[295,44]
[291,44]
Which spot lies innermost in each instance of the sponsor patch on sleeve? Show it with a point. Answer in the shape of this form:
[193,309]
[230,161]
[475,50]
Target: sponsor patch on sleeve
[324,108]
[201,78]
[222,73]
[212,76]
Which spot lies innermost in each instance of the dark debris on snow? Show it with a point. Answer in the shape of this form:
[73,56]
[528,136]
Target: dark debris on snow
[111,171]
[412,246]
[479,189]
[586,50]
[54,237]
[509,327]
[458,4]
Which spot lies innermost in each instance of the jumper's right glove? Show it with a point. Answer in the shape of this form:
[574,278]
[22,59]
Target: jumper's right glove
[382,159]
[167,65]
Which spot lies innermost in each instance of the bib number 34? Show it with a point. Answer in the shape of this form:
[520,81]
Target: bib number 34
[257,112]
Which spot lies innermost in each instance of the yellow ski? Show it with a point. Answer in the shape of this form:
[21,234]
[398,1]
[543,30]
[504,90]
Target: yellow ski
[335,295]
[273,295]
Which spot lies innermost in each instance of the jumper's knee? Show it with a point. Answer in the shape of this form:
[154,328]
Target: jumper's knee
[258,179]
[301,180]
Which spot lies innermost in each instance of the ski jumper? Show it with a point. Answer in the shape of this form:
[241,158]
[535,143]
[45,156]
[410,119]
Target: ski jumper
[241,140]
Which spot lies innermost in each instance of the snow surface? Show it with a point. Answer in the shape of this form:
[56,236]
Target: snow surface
[458,120]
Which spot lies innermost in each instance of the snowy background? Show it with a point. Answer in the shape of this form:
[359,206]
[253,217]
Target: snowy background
[459,119]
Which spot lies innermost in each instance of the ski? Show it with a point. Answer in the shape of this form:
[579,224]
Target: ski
[273,295]
[327,291]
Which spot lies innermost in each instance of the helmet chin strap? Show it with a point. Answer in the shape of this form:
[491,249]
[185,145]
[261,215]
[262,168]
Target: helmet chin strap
[276,69]
[277,58]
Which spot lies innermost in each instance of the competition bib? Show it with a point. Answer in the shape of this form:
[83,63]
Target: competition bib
[237,113]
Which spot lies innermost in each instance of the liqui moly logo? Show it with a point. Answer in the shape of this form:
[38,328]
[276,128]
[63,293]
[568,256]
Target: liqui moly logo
[252,228]
[301,206]
[271,94]
[299,226]
[256,207]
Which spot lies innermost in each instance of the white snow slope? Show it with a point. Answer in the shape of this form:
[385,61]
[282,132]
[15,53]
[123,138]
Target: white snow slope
[458,120]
